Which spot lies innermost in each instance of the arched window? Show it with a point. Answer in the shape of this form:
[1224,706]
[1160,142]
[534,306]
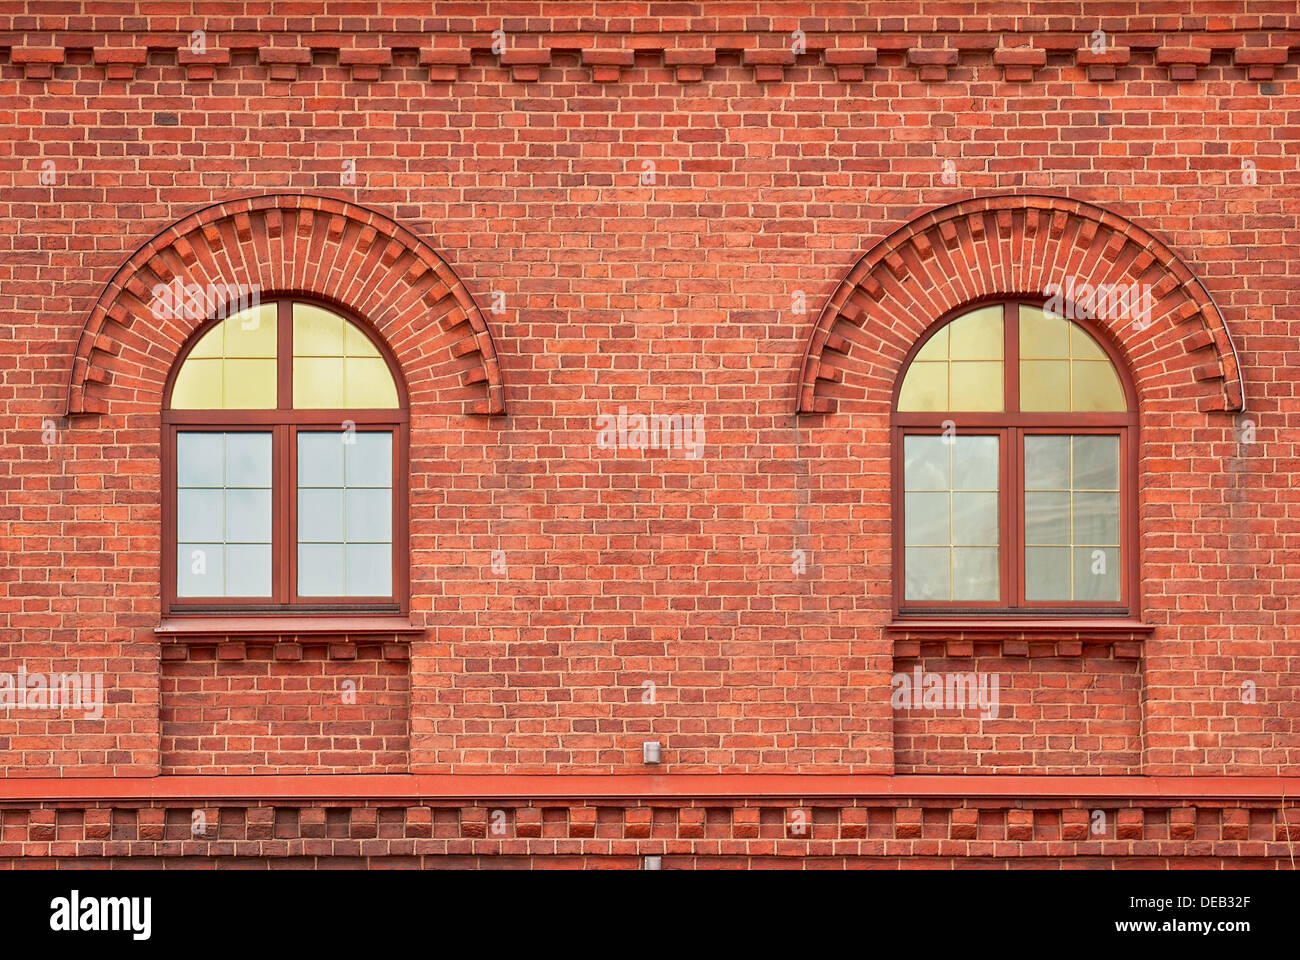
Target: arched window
[284,466]
[1014,433]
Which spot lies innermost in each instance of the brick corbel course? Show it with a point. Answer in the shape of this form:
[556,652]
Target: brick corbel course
[1182,61]
[1102,66]
[444,62]
[607,65]
[1018,63]
[38,62]
[850,64]
[934,64]
[1260,63]
[689,64]
[120,63]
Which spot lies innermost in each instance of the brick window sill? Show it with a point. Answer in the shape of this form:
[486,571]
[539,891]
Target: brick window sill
[1016,625]
[194,627]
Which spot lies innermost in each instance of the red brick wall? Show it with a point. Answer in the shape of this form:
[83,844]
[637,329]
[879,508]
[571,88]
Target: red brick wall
[520,172]
[284,708]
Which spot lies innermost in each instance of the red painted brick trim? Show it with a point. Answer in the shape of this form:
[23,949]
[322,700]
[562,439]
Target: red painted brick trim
[291,243]
[1009,245]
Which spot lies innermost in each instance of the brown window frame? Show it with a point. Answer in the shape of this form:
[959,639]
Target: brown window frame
[284,424]
[1011,426]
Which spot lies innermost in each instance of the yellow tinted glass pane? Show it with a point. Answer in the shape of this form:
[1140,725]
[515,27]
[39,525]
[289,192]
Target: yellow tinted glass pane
[248,384]
[976,385]
[925,387]
[1044,385]
[318,382]
[209,344]
[1082,346]
[250,333]
[198,385]
[936,348]
[1096,387]
[316,332]
[367,383]
[356,343]
[1042,336]
[977,335]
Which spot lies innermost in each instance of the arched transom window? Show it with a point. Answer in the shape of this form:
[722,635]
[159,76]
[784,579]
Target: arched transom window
[1014,455]
[284,463]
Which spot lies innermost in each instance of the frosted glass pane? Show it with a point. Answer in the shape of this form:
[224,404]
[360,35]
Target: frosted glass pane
[1047,573]
[198,385]
[936,348]
[1047,518]
[370,514]
[1096,574]
[925,463]
[248,459]
[927,574]
[318,383]
[199,569]
[925,387]
[320,514]
[248,384]
[976,385]
[975,574]
[1096,518]
[248,570]
[1044,385]
[1096,462]
[320,569]
[1043,336]
[925,518]
[198,515]
[977,335]
[1083,346]
[975,518]
[248,516]
[1096,387]
[356,343]
[370,570]
[370,460]
[368,383]
[199,459]
[210,344]
[975,463]
[251,333]
[320,458]
[316,332]
[1047,463]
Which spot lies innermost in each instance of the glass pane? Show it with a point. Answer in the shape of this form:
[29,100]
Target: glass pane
[925,387]
[320,459]
[368,383]
[320,569]
[1096,462]
[370,570]
[1096,574]
[1047,573]
[198,515]
[369,460]
[370,515]
[232,366]
[320,515]
[1082,346]
[975,463]
[1096,387]
[1047,518]
[927,573]
[1044,385]
[318,383]
[975,574]
[926,519]
[1096,518]
[223,514]
[1047,463]
[977,335]
[926,462]
[1043,337]
[248,570]
[336,365]
[975,385]
[936,348]
[975,518]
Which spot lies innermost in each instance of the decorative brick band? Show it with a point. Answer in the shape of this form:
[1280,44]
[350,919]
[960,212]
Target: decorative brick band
[291,244]
[1015,244]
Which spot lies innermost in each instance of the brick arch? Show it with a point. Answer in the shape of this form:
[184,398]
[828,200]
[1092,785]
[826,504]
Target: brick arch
[291,243]
[1015,244]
